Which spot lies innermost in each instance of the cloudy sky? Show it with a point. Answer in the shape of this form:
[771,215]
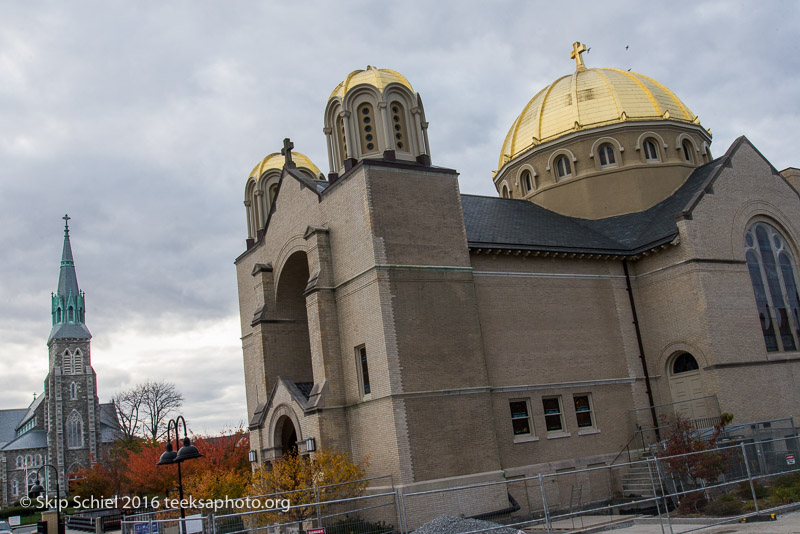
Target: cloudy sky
[142,120]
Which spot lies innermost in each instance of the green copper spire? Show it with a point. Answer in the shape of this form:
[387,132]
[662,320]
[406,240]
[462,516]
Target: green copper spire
[68,308]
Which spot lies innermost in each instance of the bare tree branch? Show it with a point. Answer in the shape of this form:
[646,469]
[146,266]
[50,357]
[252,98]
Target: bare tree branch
[128,405]
[159,400]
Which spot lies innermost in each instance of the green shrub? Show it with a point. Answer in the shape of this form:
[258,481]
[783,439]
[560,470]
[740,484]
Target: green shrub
[726,505]
[786,495]
[787,481]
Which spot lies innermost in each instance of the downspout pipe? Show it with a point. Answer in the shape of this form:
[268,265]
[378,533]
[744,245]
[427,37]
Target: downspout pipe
[641,349]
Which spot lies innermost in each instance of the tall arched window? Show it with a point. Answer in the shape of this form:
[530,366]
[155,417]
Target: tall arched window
[366,121]
[273,190]
[66,362]
[58,315]
[73,391]
[77,362]
[606,155]
[774,278]
[74,431]
[71,314]
[505,191]
[15,488]
[20,462]
[563,167]
[398,115]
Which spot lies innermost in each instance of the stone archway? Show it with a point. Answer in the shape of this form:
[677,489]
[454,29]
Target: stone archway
[286,436]
[686,386]
[292,353]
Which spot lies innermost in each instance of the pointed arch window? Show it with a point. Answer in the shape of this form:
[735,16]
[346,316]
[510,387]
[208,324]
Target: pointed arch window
[77,362]
[66,362]
[71,314]
[773,274]
[15,488]
[73,391]
[58,315]
[505,192]
[74,431]
[20,462]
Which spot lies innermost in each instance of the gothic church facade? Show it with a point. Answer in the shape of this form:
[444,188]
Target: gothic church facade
[65,427]
[621,276]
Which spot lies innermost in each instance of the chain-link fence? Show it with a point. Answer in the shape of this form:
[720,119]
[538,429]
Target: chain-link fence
[739,479]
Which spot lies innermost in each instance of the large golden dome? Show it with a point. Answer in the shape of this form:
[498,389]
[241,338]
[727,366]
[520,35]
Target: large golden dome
[379,78]
[589,98]
[276,161]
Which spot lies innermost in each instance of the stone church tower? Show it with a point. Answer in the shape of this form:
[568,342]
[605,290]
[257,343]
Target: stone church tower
[73,432]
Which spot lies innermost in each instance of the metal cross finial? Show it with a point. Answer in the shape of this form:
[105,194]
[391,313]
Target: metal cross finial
[66,223]
[286,152]
[577,50]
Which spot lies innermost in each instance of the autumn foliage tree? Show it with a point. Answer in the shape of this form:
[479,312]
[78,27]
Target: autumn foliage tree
[693,458]
[327,475]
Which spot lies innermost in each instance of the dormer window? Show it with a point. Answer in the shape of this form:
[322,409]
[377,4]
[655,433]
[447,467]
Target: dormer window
[563,167]
[606,155]
[650,150]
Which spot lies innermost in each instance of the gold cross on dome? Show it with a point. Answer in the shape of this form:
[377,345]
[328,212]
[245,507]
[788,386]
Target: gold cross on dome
[577,50]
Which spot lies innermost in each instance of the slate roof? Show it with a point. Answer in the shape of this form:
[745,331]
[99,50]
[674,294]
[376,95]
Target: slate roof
[109,423]
[9,420]
[31,410]
[493,222]
[69,331]
[33,439]
[305,388]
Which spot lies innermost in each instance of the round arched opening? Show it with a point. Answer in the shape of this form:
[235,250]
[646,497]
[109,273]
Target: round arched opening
[686,386]
[285,436]
[291,331]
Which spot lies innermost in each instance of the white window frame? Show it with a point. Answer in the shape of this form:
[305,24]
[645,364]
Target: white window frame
[531,434]
[585,429]
[560,432]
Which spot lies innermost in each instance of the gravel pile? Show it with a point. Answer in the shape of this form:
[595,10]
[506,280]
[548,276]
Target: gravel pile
[447,524]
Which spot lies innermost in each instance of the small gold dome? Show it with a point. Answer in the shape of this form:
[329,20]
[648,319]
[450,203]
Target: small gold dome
[276,161]
[590,98]
[379,78]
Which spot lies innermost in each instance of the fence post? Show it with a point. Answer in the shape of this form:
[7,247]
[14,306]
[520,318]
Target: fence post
[544,503]
[404,525]
[749,476]
[663,493]
[213,518]
[397,508]
[655,494]
[316,500]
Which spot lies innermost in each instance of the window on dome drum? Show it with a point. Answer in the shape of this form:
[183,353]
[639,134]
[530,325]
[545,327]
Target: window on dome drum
[773,274]
[366,122]
[521,418]
[687,152]
[342,138]
[684,363]
[606,155]
[650,150]
[361,355]
[552,414]
[563,167]
[273,189]
[398,115]
[527,181]
[505,191]
[74,431]
[583,410]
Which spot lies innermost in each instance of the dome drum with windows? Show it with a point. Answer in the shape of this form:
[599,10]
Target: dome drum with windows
[599,143]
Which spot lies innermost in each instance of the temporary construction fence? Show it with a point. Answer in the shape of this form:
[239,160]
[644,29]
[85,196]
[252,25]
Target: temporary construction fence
[723,478]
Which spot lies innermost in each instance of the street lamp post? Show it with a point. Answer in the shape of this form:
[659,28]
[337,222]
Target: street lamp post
[37,489]
[186,452]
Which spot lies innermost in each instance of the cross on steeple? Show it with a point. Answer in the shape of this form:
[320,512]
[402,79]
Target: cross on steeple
[286,152]
[577,50]
[66,224]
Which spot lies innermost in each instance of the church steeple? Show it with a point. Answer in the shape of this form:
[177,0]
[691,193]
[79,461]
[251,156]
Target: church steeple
[68,307]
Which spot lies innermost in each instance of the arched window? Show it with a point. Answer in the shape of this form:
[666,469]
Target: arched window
[505,191]
[687,151]
[273,190]
[563,167]
[684,363]
[38,460]
[58,315]
[66,362]
[77,362]
[71,314]
[20,462]
[774,277]
[399,126]
[527,181]
[74,431]
[606,155]
[342,138]
[73,391]
[650,150]
[366,121]
[29,460]
[15,488]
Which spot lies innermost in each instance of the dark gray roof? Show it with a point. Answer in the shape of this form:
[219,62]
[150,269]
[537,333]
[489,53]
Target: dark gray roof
[69,331]
[305,388]
[34,439]
[9,420]
[31,410]
[493,222]
[109,423]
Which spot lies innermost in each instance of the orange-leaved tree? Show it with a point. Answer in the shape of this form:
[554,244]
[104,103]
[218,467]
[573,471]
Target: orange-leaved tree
[224,469]
[304,480]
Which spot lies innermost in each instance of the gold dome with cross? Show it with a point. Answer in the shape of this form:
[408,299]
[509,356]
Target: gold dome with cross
[590,98]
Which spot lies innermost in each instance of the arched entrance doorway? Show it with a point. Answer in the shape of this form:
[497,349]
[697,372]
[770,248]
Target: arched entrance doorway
[285,438]
[686,386]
